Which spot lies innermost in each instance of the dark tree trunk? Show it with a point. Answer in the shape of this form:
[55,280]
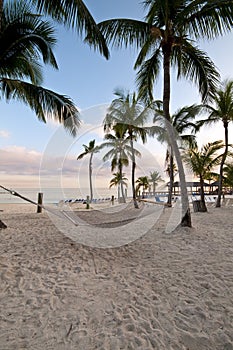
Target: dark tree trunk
[218,202]
[133,174]
[186,215]
[2,225]
[90,177]
[121,183]
[171,176]
[202,193]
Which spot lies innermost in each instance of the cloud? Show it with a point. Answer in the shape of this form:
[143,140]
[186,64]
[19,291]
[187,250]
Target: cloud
[90,130]
[19,160]
[24,166]
[4,134]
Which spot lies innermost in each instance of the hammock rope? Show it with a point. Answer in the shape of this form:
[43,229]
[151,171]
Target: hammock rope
[55,212]
[75,220]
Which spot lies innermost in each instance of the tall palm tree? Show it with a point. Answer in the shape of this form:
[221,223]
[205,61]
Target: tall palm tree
[131,114]
[143,182]
[119,180]
[155,178]
[72,14]
[25,41]
[167,38]
[89,150]
[120,150]
[202,162]
[221,110]
[182,121]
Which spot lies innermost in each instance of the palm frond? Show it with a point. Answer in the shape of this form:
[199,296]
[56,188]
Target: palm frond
[74,14]
[24,33]
[124,32]
[195,65]
[45,103]
[208,18]
[146,76]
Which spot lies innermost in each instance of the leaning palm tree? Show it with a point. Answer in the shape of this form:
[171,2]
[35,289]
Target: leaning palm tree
[89,150]
[130,113]
[167,38]
[182,121]
[119,180]
[25,40]
[155,178]
[221,110]
[202,162]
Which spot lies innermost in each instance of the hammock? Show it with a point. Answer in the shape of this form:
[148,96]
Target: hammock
[55,212]
[102,233]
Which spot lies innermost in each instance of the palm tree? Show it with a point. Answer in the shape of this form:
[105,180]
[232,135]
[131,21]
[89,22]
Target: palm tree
[182,120]
[121,150]
[72,14]
[167,37]
[228,175]
[129,113]
[202,163]
[118,181]
[89,150]
[222,111]
[155,178]
[25,40]
[143,182]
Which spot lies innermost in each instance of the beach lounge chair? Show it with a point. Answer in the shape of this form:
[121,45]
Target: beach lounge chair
[157,199]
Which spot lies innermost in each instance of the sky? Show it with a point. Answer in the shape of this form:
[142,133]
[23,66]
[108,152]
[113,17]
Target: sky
[34,154]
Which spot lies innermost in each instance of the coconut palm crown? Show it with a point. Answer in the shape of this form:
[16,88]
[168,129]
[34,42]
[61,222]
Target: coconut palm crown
[155,178]
[27,41]
[119,180]
[72,14]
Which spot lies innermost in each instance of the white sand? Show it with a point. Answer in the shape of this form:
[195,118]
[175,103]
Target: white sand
[163,291]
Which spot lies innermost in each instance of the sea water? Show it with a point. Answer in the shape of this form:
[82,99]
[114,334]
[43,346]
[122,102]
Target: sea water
[54,195]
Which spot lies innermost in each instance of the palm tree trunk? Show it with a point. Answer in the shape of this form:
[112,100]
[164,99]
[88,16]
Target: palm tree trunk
[118,192]
[171,176]
[133,174]
[218,202]
[121,183]
[186,215]
[202,193]
[122,192]
[90,177]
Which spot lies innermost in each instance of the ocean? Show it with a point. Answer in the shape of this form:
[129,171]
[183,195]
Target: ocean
[54,195]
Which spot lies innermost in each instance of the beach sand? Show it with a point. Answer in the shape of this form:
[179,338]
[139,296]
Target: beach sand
[163,291]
